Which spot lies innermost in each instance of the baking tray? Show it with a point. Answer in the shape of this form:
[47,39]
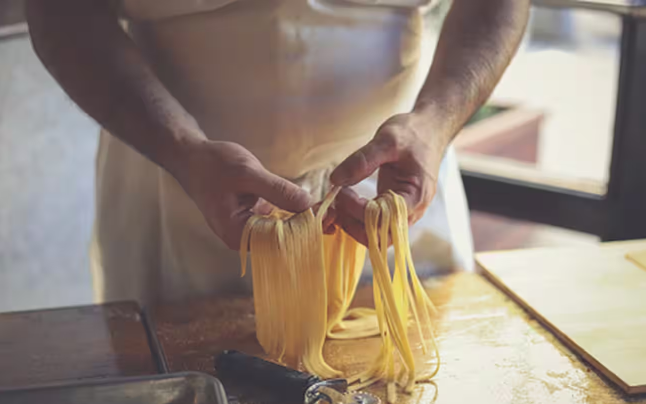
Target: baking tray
[175,388]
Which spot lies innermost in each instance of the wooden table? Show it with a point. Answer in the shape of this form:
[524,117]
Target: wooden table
[492,351]
[46,346]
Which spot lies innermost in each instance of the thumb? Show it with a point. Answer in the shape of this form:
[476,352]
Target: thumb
[280,192]
[362,163]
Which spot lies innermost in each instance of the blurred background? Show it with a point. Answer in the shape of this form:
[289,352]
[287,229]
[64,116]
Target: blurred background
[552,116]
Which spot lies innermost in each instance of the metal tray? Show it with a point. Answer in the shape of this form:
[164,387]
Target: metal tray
[176,388]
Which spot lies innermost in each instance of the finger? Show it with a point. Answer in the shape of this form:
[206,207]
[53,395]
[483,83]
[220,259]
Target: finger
[280,192]
[411,201]
[231,233]
[329,215]
[330,229]
[417,200]
[329,218]
[263,207]
[349,203]
[362,163]
[354,228]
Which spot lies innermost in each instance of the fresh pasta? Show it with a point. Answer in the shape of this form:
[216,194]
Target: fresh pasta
[304,282]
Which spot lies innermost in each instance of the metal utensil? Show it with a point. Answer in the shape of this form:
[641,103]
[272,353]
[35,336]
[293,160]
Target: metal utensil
[178,388]
[285,384]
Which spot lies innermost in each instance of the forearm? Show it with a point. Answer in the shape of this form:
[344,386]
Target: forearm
[477,42]
[82,45]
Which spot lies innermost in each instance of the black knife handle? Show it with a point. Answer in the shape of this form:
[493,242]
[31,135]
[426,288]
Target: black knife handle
[285,384]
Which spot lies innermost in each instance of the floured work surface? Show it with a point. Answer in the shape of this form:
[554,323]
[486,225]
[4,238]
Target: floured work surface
[592,298]
[492,351]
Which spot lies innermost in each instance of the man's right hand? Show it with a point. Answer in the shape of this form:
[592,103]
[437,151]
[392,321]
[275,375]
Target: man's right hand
[229,184]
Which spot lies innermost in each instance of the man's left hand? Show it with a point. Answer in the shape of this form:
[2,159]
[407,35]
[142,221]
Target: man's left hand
[408,155]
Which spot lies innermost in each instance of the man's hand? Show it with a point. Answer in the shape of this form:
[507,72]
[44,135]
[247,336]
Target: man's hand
[229,184]
[408,164]
[105,73]
[477,42]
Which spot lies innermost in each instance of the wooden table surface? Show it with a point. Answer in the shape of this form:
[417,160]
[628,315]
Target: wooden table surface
[47,346]
[492,351]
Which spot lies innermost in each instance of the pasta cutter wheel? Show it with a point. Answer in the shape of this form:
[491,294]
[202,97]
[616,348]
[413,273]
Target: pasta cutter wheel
[285,384]
[320,392]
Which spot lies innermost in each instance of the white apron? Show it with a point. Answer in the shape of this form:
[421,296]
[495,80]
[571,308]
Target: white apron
[301,84]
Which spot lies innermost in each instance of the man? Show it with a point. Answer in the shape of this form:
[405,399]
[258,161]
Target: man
[210,107]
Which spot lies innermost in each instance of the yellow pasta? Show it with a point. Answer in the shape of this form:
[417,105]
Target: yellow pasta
[304,283]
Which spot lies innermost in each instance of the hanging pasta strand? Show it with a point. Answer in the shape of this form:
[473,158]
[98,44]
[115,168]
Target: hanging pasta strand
[305,281]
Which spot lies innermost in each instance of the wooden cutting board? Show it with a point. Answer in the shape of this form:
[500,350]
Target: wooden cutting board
[593,299]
